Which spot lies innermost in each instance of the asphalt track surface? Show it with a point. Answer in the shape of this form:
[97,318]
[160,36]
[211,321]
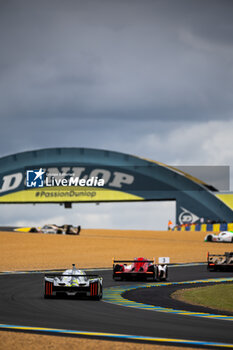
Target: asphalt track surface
[22,303]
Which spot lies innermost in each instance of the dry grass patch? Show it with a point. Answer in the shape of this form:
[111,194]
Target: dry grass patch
[218,297]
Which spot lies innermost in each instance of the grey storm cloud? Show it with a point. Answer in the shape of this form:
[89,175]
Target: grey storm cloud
[75,67]
[125,58]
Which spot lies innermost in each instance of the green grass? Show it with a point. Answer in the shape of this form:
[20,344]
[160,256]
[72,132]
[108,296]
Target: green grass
[219,297]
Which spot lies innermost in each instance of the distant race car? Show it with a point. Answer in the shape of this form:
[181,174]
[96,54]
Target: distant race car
[224,236]
[220,262]
[51,229]
[141,268]
[70,230]
[73,282]
[54,229]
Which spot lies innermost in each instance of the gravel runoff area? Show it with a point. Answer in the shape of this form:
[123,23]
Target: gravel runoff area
[20,341]
[93,248]
[96,248]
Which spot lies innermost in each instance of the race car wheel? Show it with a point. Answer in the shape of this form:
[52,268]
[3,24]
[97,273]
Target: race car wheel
[166,274]
[99,297]
[157,273]
[153,276]
[209,238]
[162,275]
[116,269]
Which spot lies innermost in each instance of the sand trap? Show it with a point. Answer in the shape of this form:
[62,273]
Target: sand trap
[96,248]
[19,341]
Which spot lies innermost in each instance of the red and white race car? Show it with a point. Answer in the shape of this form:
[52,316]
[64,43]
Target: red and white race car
[141,268]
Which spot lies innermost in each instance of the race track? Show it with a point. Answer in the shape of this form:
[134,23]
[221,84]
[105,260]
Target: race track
[22,303]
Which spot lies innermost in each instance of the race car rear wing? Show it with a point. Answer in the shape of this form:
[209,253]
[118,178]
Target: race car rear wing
[161,261]
[114,261]
[89,276]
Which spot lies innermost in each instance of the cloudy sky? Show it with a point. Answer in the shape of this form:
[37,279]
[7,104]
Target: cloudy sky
[152,78]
